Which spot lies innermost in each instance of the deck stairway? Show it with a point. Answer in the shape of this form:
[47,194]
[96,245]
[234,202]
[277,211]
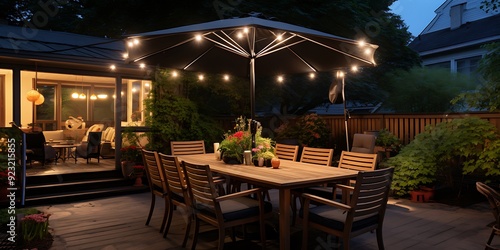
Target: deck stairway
[71,187]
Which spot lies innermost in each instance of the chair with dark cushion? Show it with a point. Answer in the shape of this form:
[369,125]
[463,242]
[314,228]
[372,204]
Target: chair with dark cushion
[363,213]
[494,199]
[363,143]
[90,148]
[37,150]
[222,211]
[177,193]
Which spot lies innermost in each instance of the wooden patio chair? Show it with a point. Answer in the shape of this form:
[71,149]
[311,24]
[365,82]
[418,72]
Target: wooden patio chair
[363,143]
[187,147]
[193,148]
[157,184]
[222,211]
[494,200]
[364,213]
[318,156]
[287,152]
[177,191]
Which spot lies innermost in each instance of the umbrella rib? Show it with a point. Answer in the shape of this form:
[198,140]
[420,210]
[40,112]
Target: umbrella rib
[269,47]
[197,58]
[303,60]
[163,50]
[261,53]
[228,46]
[339,51]
[233,43]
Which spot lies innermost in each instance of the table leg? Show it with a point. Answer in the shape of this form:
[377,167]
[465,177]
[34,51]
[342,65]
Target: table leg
[284,217]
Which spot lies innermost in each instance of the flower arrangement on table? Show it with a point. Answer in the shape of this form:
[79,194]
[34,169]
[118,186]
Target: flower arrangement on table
[131,153]
[234,144]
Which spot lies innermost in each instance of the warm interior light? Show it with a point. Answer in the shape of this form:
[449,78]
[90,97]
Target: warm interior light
[32,95]
[134,90]
[130,44]
[368,51]
[136,41]
[146,85]
[114,96]
[82,96]
[102,96]
[93,97]
[74,95]
[40,100]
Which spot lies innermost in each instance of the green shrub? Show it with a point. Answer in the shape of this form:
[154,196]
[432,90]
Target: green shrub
[451,149]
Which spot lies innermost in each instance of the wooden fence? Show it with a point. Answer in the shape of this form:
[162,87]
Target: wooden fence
[404,126]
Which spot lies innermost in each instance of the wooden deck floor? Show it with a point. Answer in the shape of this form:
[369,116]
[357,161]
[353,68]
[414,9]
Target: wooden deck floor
[70,166]
[119,223]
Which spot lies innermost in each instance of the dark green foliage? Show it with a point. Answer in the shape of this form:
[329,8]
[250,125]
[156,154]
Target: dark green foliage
[445,153]
[424,90]
[174,117]
[310,130]
[487,95]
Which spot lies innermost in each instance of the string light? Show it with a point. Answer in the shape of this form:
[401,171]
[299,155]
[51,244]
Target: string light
[312,75]
[198,37]
[142,65]
[201,77]
[112,67]
[354,68]
[280,79]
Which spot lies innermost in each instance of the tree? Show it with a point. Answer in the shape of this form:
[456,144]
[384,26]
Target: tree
[422,90]
[487,94]
[369,20]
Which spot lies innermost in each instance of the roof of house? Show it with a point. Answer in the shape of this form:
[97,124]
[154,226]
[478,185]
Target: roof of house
[469,34]
[36,43]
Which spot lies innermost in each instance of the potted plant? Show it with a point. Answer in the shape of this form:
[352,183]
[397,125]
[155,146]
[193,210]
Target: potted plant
[387,142]
[263,152]
[130,156]
[233,145]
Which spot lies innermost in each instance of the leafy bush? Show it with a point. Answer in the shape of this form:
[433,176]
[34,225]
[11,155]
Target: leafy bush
[310,130]
[453,148]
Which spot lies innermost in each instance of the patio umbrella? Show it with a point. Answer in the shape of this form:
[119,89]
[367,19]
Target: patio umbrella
[247,47]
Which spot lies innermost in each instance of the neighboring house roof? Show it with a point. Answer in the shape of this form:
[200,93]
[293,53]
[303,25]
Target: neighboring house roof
[469,34]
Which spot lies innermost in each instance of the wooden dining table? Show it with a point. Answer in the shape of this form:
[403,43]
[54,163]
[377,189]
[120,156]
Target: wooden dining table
[290,175]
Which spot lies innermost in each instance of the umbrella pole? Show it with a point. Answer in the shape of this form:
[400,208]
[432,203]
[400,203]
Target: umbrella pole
[252,88]
[345,115]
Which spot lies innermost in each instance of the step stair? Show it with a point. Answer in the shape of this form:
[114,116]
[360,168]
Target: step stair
[63,188]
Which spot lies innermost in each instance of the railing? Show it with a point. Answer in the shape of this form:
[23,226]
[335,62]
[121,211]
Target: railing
[404,126]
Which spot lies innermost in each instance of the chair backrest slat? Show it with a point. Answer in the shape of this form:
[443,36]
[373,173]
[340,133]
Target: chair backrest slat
[320,156]
[200,184]
[358,161]
[155,176]
[187,147]
[371,193]
[287,152]
[173,173]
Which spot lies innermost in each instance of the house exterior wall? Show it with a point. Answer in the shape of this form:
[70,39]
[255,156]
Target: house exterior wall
[471,12]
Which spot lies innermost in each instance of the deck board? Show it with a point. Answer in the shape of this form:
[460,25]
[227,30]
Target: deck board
[119,223]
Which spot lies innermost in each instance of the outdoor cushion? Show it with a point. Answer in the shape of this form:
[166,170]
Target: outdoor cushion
[237,208]
[334,218]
